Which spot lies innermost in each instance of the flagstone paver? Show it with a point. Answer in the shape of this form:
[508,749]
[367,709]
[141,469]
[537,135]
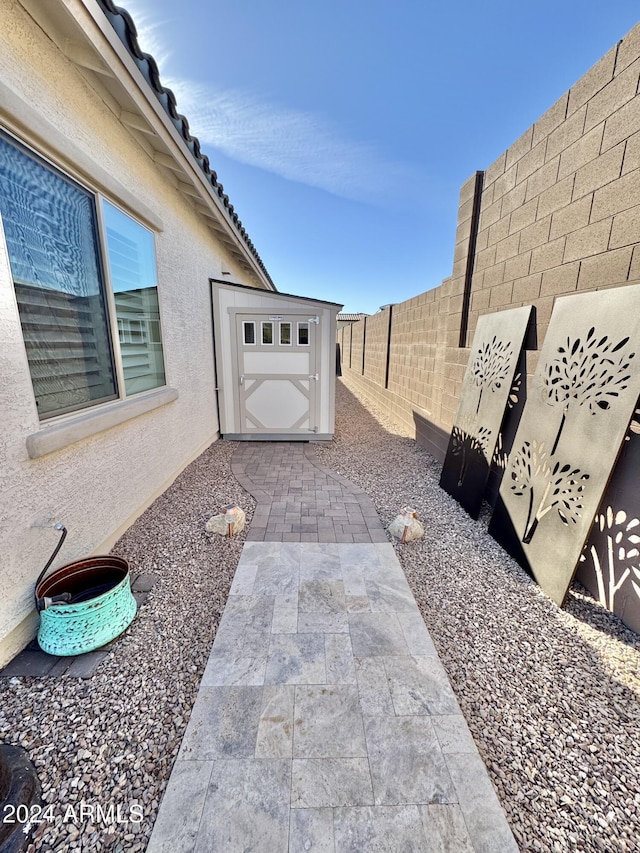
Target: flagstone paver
[325,720]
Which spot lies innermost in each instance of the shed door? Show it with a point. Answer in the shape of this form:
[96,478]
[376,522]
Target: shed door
[278,382]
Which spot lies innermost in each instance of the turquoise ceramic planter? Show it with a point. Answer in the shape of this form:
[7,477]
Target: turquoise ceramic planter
[98,605]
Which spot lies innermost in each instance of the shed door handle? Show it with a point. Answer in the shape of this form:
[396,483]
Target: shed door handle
[313,376]
[242,378]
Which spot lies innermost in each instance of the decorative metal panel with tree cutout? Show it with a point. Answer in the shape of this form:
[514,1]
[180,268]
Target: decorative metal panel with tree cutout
[490,384]
[583,396]
[610,563]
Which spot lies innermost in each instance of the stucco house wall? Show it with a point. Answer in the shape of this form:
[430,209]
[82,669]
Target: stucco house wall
[98,484]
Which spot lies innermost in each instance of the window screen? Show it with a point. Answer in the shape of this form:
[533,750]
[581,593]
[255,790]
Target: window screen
[51,233]
[303,334]
[132,266]
[249,332]
[58,262]
[285,334]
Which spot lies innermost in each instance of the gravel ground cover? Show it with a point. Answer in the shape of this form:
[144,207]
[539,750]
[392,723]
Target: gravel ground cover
[551,695]
[111,740]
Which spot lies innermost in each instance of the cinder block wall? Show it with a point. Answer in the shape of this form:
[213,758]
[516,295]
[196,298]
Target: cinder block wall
[345,344]
[357,346]
[558,212]
[376,336]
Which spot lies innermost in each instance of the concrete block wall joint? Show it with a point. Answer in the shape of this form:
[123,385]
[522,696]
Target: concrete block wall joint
[471,257]
[388,358]
[364,342]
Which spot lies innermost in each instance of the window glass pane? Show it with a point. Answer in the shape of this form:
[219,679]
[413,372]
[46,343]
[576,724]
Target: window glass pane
[267,332]
[303,334]
[249,328]
[132,265]
[50,229]
[285,334]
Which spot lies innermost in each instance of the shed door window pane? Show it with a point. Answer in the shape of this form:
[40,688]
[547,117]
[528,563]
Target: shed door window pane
[303,334]
[50,229]
[132,265]
[267,332]
[285,334]
[249,332]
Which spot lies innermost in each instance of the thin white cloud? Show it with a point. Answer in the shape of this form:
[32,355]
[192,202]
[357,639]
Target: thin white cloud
[299,146]
[149,30]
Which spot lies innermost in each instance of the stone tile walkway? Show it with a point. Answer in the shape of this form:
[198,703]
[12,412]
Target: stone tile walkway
[325,721]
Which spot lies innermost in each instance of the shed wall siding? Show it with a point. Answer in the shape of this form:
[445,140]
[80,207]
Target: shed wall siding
[226,299]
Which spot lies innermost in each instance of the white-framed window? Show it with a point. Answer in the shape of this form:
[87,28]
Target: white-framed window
[285,334]
[249,332]
[267,332]
[303,334]
[84,274]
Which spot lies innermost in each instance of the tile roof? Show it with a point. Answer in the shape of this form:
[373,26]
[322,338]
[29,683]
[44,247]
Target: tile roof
[122,23]
[351,317]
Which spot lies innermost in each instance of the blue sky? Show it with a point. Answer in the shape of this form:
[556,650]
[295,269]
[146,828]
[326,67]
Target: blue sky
[342,130]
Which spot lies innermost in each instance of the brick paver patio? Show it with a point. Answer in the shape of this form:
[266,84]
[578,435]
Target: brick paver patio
[299,500]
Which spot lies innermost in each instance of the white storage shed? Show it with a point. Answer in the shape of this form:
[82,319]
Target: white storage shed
[276,364]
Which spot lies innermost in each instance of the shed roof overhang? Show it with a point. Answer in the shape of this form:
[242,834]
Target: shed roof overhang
[100,39]
[308,301]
